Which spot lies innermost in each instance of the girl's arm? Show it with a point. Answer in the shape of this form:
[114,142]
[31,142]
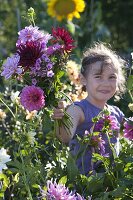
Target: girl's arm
[76,116]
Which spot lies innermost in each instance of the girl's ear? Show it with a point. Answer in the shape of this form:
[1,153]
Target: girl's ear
[82,79]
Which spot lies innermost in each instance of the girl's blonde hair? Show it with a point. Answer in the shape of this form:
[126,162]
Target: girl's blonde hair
[100,52]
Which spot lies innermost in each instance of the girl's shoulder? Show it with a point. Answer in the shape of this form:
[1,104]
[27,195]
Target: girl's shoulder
[116,112]
[76,112]
[115,109]
[89,110]
[86,105]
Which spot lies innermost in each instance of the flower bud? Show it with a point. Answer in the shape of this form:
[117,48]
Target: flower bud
[130,106]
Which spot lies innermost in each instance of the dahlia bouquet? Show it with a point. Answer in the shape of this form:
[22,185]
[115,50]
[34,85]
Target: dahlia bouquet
[39,63]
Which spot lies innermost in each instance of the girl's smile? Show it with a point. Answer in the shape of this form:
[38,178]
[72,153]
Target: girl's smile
[104,91]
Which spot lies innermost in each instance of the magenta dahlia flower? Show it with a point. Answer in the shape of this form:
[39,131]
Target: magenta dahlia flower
[63,38]
[107,120]
[128,129]
[10,67]
[99,143]
[99,125]
[112,120]
[32,98]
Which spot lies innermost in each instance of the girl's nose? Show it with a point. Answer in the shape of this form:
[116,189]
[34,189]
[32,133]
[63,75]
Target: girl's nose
[105,82]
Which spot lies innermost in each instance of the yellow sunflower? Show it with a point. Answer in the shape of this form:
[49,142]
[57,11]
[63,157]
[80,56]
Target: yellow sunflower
[65,9]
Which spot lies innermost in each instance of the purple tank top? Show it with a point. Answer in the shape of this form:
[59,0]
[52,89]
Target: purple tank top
[90,111]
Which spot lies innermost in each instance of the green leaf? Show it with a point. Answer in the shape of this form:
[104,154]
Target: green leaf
[63,180]
[128,166]
[35,186]
[16,178]
[71,27]
[71,168]
[5,183]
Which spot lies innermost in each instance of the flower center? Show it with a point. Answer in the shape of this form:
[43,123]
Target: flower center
[64,7]
[34,98]
[28,36]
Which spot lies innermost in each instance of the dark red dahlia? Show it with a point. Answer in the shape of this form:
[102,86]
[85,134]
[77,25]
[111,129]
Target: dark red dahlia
[64,39]
[29,53]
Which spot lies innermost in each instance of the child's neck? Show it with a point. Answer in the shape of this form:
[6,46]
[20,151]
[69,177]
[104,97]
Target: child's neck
[99,104]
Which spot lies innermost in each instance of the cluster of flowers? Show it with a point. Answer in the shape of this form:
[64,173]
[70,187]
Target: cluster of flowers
[59,192]
[106,128]
[39,56]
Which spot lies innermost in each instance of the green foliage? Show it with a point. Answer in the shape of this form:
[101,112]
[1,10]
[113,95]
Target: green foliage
[42,157]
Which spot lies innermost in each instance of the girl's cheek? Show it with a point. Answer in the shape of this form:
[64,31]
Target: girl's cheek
[115,81]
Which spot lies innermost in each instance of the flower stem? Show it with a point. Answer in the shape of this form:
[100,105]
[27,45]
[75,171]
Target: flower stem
[7,107]
[112,148]
[25,178]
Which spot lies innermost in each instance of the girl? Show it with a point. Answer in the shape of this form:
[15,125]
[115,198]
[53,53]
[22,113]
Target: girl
[101,74]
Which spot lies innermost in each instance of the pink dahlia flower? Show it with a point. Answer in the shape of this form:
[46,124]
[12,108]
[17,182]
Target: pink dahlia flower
[128,129]
[58,192]
[32,98]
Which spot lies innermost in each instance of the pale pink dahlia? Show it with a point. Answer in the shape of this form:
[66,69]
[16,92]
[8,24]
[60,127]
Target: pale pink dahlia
[58,192]
[30,33]
[32,98]
[11,66]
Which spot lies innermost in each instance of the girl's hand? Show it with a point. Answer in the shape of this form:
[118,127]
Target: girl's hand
[58,112]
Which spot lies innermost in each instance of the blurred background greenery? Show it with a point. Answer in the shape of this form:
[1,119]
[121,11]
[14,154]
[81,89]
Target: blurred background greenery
[110,21]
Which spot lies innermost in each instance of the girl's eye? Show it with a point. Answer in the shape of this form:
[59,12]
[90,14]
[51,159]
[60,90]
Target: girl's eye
[98,76]
[112,77]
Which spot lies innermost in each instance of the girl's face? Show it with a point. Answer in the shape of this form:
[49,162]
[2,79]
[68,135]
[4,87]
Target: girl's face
[101,86]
